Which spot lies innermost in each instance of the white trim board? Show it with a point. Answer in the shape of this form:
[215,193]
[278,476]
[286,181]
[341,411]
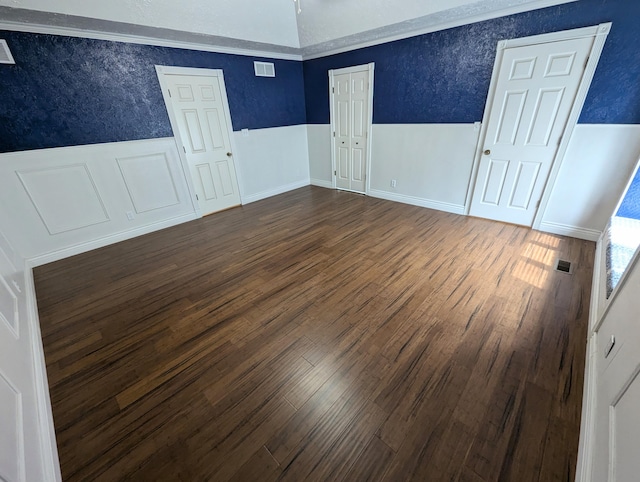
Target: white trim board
[321,183]
[274,192]
[142,40]
[599,33]
[416,201]
[108,240]
[572,231]
[50,458]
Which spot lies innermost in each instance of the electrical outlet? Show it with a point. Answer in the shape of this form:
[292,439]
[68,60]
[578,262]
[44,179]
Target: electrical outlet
[393,183]
[130,215]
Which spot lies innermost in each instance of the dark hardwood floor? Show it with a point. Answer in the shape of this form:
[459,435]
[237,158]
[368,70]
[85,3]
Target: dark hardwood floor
[319,335]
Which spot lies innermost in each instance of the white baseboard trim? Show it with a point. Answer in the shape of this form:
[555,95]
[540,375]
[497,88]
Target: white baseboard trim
[417,201]
[107,240]
[48,445]
[322,183]
[572,231]
[274,192]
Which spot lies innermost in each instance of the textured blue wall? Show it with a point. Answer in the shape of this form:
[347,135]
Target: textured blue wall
[444,77]
[630,207]
[67,91]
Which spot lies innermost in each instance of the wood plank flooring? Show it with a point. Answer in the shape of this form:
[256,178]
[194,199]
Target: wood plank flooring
[319,335]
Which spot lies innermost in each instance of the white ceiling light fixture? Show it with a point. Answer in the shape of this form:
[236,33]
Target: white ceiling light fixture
[299,4]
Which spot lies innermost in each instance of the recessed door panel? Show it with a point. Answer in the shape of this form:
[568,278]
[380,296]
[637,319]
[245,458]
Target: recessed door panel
[525,181]
[522,69]
[358,165]
[343,163]
[185,93]
[544,117]
[510,117]
[206,181]
[343,119]
[194,130]
[224,172]
[359,122]
[560,64]
[215,130]
[495,181]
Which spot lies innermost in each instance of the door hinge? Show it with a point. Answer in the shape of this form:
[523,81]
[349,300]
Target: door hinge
[169,90]
[334,133]
[197,198]
[333,90]
[335,173]
[184,149]
[538,204]
[586,62]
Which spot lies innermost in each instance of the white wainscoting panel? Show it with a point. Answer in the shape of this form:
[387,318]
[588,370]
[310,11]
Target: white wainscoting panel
[319,136]
[65,197]
[431,163]
[60,202]
[147,196]
[271,161]
[594,173]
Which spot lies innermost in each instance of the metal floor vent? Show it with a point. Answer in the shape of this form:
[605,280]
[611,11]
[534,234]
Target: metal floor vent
[564,266]
[5,53]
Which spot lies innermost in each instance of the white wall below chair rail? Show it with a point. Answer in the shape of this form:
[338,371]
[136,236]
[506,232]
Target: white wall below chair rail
[271,161]
[594,173]
[63,201]
[431,164]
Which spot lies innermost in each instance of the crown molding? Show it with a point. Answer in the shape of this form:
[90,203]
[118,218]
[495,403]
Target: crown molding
[254,49]
[146,40]
[381,35]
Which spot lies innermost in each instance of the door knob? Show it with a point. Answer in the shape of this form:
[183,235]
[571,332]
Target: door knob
[228,154]
[487,152]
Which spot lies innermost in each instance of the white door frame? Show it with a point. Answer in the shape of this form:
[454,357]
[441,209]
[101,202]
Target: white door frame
[161,71]
[348,70]
[599,32]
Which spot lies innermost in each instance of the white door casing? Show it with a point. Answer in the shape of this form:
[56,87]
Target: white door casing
[537,91]
[351,107]
[199,112]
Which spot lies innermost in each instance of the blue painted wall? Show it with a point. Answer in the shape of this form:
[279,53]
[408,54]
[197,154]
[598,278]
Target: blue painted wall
[67,91]
[630,207]
[444,77]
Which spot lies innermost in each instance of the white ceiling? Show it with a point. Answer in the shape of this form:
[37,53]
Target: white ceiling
[269,25]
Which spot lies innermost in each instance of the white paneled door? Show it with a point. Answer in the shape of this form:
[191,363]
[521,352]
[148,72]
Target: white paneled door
[534,95]
[351,124]
[201,116]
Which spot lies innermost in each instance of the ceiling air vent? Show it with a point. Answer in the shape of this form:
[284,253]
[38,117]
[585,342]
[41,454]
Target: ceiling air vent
[5,53]
[264,69]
